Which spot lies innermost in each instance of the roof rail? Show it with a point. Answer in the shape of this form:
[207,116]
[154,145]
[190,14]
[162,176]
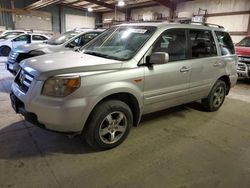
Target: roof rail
[207,24]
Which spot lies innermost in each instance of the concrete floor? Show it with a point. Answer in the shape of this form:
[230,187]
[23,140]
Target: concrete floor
[181,147]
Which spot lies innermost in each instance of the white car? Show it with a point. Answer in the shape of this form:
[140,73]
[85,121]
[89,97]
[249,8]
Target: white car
[9,42]
[12,32]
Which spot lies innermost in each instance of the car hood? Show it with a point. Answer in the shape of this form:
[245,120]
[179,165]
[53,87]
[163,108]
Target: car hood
[242,51]
[42,67]
[34,46]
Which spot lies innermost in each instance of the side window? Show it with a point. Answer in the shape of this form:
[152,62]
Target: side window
[202,43]
[225,43]
[87,37]
[24,38]
[75,42]
[38,37]
[172,42]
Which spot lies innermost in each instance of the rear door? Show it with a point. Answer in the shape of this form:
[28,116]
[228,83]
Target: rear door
[205,62]
[167,84]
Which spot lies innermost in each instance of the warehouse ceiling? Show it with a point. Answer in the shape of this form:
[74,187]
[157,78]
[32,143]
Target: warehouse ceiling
[102,5]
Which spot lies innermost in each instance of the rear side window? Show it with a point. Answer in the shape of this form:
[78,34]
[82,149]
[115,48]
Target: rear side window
[174,43]
[38,37]
[202,44]
[225,43]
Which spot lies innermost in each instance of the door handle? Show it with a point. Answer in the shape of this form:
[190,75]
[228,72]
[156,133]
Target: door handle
[217,64]
[185,69]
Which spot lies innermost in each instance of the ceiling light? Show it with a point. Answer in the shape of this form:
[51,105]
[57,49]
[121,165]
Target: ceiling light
[90,9]
[121,3]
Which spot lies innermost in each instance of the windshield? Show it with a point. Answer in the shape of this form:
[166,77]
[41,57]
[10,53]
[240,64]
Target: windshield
[245,42]
[8,36]
[120,43]
[61,38]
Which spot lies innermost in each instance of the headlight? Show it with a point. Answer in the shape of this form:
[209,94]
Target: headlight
[61,86]
[36,53]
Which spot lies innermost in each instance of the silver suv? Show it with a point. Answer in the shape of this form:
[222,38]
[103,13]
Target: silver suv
[71,40]
[126,72]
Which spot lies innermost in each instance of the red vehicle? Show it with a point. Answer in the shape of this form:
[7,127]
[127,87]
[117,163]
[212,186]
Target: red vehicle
[243,51]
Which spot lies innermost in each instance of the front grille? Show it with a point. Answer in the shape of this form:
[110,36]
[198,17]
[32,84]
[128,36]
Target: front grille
[245,59]
[24,80]
[242,67]
[12,57]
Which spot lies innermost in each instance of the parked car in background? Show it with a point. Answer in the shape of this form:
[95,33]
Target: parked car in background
[12,32]
[9,42]
[71,40]
[127,71]
[243,51]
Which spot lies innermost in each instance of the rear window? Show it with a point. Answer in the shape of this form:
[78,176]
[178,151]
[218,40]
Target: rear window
[202,44]
[225,43]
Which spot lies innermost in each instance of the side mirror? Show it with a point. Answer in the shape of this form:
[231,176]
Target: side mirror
[70,45]
[76,48]
[158,58]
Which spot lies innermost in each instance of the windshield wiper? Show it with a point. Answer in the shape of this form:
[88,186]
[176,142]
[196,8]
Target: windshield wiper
[101,55]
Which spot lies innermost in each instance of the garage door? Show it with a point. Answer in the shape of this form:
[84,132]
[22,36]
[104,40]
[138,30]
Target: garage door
[75,21]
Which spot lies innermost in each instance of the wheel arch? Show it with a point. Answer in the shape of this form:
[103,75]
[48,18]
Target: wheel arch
[226,79]
[127,98]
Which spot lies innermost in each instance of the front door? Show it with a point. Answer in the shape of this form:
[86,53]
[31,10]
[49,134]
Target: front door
[21,40]
[167,84]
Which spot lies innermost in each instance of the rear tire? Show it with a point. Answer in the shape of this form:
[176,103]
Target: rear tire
[216,97]
[109,125]
[4,51]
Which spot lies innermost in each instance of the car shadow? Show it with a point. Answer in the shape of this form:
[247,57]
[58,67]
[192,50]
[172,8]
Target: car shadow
[243,81]
[178,111]
[23,140]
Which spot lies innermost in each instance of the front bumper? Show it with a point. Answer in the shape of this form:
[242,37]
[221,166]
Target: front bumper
[12,67]
[19,108]
[61,115]
[243,70]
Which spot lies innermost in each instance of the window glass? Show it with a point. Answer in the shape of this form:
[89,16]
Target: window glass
[62,38]
[25,38]
[202,44]
[121,42]
[244,42]
[38,37]
[172,42]
[84,39]
[225,43]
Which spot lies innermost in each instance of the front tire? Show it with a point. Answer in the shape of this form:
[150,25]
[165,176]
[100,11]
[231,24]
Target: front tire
[4,51]
[216,97]
[109,124]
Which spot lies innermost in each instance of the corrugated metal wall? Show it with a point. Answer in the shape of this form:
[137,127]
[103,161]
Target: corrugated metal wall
[58,14]
[6,17]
